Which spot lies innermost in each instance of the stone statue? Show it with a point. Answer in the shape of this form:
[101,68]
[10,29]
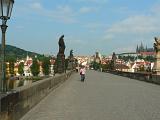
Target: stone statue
[71,63]
[156,67]
[114,56]
[113,61]
[61,45]
[60,61]
[157,44]
[71,53]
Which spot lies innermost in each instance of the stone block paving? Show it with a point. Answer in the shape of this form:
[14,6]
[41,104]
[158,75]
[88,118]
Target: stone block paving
[102,96]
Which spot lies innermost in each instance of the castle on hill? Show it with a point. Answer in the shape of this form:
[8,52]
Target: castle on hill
[140,48]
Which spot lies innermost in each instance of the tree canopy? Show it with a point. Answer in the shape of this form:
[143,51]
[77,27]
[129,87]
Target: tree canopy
[35,68]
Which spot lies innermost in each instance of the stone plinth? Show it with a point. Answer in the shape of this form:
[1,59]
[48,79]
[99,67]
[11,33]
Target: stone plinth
[156,68]
[70,65]
[60,63]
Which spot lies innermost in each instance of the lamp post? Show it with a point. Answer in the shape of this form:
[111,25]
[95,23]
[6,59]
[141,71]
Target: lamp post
[5,14]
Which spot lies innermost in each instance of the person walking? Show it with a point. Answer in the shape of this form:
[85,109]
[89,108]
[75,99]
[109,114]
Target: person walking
[82,73]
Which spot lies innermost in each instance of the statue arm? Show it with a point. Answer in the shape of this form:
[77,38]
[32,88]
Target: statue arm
[155,46]
[157,40]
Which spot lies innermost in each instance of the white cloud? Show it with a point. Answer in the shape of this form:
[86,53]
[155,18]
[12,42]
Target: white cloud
[36,6]
[143,27]
[19,27]
[130,48]
[133,30]
[155,9]
[108,37]
[95,25]
[86,10]
[135,24]
[71,40]
[64,9]
[63,14]
[93,1]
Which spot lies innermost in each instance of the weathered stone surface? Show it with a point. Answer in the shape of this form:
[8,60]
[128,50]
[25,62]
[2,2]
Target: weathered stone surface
[102,96]
[60,63]
[156,67]
[145,76]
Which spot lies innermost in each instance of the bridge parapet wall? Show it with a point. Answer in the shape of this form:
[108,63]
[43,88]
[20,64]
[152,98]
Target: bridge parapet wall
[142,76]
[18,102]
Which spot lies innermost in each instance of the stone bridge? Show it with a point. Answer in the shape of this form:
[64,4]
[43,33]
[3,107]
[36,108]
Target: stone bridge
[102,96]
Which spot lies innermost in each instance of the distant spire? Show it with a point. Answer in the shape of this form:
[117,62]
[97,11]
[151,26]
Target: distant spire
[137,49]
[141,48]
[146,48]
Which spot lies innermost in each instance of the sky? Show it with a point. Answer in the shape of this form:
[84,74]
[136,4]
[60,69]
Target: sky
[105,26]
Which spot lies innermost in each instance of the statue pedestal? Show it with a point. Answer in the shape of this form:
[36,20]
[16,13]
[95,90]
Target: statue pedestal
[156,68]
[60,63]
[70,65]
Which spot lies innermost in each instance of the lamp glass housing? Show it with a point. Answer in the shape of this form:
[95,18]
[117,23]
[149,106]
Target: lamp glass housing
[6,9]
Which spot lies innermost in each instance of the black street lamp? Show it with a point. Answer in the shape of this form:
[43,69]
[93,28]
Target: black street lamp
[5,14]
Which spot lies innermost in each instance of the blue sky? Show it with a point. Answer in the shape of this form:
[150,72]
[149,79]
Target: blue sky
[88,25]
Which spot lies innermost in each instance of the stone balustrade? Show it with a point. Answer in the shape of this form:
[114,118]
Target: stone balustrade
[15,104]
[142,76]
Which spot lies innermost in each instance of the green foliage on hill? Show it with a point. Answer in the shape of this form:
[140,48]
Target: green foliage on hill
[46,65]
[21,68]
[15,52]
[35,68]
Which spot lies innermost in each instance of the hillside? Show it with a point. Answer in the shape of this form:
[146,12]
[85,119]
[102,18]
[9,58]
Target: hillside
[12,51]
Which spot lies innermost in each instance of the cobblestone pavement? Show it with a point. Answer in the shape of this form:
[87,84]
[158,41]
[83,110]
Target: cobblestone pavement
[101,97]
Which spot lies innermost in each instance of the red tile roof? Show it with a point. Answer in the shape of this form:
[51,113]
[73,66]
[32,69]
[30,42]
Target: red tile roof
[147,53]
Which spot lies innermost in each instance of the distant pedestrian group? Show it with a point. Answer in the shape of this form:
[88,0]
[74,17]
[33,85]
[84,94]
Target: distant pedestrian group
[82,73]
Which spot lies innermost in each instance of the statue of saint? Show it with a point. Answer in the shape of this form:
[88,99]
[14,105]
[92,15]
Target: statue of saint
[114,56]
[157,44]
[61,45]
[71,53]
[113,61]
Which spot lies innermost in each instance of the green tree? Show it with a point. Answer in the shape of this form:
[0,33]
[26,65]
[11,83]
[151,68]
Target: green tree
[111,65]
[96,65]
[11,66]
[35,68]
[20,68]
[104,67]
[150,58]
[46,66]
[120,57]
[140,57]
